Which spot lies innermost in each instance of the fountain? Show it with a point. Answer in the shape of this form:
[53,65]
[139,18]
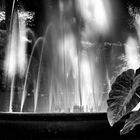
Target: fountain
[65,69]
[15,61]
[57,64]
[60,67]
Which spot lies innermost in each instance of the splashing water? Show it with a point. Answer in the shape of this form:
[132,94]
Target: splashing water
[21,55]
[10,61]
[12,95]
[132,44]
[69,74]
[96,14]
[132,54]
[44,43]
[38,76]
[26,77]
[15,61]
[66,77]
[86,83]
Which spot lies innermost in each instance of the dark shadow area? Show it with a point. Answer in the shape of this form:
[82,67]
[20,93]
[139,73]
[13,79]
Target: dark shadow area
[61,126]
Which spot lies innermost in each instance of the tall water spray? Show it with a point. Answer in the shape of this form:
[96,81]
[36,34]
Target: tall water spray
[67,72]
[15,60]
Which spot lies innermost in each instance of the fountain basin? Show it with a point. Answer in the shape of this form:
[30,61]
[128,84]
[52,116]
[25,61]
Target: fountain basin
[61,126]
